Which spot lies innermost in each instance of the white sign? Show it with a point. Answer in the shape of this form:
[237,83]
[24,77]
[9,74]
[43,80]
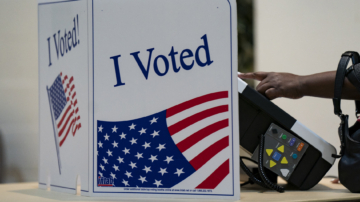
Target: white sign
[139,98]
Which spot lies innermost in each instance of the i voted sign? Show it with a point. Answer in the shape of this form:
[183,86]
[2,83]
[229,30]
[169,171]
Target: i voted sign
[139,98]
[186,53]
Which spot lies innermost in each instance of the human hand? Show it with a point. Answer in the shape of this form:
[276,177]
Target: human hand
[274,85]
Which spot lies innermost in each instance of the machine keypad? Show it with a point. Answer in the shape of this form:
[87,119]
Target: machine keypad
[283,151]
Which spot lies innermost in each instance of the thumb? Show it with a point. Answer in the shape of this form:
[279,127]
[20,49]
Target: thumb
[272,93]
[254,75]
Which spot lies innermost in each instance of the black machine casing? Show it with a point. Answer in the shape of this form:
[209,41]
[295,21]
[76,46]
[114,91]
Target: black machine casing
[257,113]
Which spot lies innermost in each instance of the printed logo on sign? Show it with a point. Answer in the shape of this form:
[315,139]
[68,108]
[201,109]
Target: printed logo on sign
[105,182]
[64,110]
[164,149]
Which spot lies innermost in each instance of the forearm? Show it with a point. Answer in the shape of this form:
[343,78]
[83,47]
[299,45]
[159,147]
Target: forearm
[322,85]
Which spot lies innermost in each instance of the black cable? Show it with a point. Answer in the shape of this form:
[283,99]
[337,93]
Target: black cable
[247,182]
[263,176]
[264,181]
[249,159]
[249,173]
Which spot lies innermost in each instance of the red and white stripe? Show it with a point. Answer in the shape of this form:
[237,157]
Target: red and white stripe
[67,121]
[206,149]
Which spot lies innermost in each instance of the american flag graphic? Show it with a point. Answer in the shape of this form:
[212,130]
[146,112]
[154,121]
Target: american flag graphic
[64,110]
[184,146]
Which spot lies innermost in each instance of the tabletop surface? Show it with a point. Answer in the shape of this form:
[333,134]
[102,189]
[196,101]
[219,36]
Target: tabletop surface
[324,191]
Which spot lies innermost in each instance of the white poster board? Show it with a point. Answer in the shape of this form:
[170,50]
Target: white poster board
[154,110]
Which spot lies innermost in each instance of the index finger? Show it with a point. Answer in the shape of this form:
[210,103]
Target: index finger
[253,75]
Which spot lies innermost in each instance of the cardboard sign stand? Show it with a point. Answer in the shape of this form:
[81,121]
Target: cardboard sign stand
[139,98]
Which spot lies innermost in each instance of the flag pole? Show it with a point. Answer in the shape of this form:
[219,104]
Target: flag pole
[56,140]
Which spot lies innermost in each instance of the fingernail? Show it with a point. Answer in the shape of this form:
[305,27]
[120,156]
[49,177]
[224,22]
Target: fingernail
[335,181]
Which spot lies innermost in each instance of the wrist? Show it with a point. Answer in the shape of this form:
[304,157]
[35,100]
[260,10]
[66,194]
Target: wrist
[302,86]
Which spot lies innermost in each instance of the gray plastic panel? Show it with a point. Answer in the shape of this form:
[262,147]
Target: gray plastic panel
[283,151]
